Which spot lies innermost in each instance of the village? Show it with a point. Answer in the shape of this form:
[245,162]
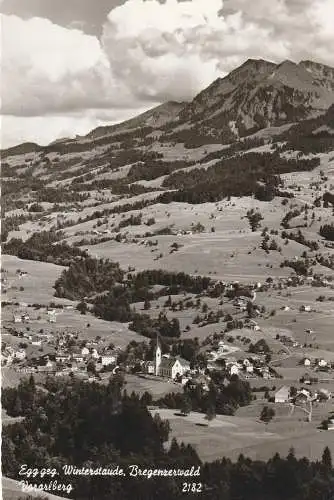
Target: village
[242,348]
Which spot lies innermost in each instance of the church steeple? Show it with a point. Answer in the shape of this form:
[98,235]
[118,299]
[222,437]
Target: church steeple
[158,353]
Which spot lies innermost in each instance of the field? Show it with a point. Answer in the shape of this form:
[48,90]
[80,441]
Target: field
[157,388]
[212,239]
[229,436]
[37,285]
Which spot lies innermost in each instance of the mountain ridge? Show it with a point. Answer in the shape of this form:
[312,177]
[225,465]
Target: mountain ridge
[257,94]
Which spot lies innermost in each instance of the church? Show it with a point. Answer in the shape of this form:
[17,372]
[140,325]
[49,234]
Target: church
[168,366]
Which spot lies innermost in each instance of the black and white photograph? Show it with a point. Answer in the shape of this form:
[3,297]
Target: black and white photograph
[167,249]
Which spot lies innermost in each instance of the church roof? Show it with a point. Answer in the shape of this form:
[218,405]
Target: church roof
[170,362]
[183,361]
[167,363]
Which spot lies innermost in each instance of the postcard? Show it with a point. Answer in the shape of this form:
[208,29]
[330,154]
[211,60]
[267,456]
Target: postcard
[167,269]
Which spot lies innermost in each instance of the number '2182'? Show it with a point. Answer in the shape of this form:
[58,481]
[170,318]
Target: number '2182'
[191,487]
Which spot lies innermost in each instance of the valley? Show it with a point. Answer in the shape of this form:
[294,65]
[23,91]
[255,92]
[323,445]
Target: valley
[213,238]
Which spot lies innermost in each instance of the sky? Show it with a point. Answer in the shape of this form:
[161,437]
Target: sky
[69,66]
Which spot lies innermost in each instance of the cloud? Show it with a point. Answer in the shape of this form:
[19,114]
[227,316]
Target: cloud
[304,26]
[47,68]
[149,52]
[55,82]
[89,14]
[173,50]
[45,129]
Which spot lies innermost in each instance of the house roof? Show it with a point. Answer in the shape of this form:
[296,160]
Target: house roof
[283,391]
[148,363]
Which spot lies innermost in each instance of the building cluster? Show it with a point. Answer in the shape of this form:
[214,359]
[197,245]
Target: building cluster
[24,317]
[66,353]
[301,396]
[318,364]
[166,366]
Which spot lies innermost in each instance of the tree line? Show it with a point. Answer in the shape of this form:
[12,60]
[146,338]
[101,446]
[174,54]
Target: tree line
[91,425]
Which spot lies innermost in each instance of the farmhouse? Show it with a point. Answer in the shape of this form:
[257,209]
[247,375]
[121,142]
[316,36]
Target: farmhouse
[94,354]
[62,357]
[149,367]
[303,396]
[282,395]
[78,357]
[234,369]
[36,341]
[20,354]
[25,318]
[52,316]
[108,359]
[17,318]
[324,394]
[85,351]
[331,424]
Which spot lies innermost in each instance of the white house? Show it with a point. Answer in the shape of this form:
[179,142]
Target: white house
[282,395]
[234,369]
[85,351]
[149,367]
[17,318]
[20,355]
[322,363]
[37,342]
[49,364]
[94,353]
[52,316]
[307,362]
[25,318]
[61,357]
[78,357]
[108,359]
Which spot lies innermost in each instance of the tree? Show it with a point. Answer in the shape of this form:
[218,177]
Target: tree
[147,304]
[17,408]
[210,413]
[185,405]
[254,219]
[327,459]
[250,309]
[91,368]
[293,391]
[268,358]
[267,414]
[82,307]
